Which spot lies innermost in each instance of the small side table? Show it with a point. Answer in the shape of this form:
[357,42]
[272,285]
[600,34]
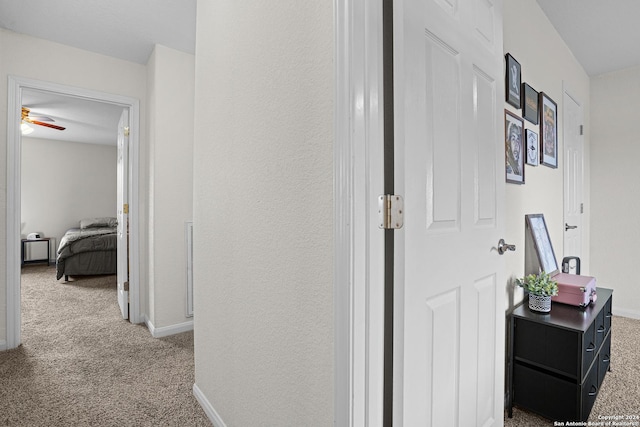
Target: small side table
[35,261]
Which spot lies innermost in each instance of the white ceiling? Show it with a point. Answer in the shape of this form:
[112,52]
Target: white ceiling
[126,29]
[603,35]
[85,121]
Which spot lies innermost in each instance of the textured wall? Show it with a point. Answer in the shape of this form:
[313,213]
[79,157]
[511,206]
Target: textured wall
[170,89]
[615,190]
[547,64]
[263,211]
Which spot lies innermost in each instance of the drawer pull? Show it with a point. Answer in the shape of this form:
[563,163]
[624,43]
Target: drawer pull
[593,391]
[591,348]
[600,329]
[606,360]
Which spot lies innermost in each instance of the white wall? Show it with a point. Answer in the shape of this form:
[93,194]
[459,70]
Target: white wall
[170,88]
[64,182]
[615,191]
[34,58]
[546,64]
[263,211]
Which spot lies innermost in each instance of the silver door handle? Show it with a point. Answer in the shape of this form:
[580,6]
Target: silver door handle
[504,247]
[569,227]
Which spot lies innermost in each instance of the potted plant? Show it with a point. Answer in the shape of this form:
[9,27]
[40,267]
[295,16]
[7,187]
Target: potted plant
[541,288]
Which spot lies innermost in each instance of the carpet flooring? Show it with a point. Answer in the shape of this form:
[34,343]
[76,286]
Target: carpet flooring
[619,395]
[81,364]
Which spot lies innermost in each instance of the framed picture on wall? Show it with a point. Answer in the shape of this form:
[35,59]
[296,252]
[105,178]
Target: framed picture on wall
[514,147]
[530,103]
[531,138]
[513,81]
[548,131]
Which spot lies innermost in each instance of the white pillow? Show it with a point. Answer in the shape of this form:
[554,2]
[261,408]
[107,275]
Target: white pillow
[98,222]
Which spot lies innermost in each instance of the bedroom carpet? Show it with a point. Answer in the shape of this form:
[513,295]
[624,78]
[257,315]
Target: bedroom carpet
[620,391]
[81,364]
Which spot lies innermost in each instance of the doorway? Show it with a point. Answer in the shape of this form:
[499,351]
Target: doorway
[14,144]
[573,177]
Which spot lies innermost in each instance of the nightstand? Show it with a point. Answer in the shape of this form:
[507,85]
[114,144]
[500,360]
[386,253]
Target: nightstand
[35,261]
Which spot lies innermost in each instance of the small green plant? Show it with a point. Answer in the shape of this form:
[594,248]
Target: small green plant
[540,284]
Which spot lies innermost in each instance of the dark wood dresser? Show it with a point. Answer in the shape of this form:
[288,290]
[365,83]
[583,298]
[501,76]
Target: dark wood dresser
[557,361]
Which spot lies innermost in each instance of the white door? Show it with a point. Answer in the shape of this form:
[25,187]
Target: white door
[573,178]
[123,214]
[450,168]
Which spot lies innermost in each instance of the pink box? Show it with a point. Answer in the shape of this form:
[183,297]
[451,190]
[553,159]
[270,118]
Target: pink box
[574,289]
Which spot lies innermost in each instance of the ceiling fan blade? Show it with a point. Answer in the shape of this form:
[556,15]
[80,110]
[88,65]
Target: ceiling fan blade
[49,125]
[26,116]
[42,118]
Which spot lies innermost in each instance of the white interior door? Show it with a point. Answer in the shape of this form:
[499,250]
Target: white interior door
[449,277]
[123,214]
[573,177]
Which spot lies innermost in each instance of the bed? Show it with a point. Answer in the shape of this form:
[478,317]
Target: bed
[89,250]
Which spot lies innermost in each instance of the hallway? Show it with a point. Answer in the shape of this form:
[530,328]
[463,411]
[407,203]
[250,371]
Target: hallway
[82,364]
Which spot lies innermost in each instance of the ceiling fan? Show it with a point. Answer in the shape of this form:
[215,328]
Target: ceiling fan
[39,120]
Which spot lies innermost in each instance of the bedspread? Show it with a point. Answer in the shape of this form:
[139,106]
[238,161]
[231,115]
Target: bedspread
[77,241]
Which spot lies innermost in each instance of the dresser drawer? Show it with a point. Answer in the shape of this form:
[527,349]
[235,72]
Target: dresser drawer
[608,313]
[554,348]
[604,359]
[603,323]
[589,391]
[545,394]
[589,349]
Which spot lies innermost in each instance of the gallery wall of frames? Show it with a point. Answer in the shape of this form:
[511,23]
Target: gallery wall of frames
[526,145]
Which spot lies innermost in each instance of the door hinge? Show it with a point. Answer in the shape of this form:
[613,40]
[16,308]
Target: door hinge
[125,208]
[581,130]
[126,131]
[390,211]
[581,208]
[125,286]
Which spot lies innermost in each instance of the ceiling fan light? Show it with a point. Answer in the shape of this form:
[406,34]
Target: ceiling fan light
[25,129]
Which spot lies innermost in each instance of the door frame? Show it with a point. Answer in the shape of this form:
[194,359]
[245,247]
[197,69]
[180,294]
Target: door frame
[359,243]
[14,148]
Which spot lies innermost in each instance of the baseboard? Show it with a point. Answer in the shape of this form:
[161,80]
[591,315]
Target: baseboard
[166,331]
[624,312]
[213,416]
[3,345]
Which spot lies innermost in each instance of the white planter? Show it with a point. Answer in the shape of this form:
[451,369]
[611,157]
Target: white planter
[539,303]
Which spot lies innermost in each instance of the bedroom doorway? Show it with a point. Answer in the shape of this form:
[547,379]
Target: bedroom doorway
[17,88]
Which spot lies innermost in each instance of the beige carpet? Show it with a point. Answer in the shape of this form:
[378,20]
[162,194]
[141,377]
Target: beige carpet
[620,391]
[81,364]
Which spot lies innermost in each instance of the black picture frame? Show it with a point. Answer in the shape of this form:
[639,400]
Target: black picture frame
[530,102]
[548,131]
[514,148]
[533,147]
[513,81]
